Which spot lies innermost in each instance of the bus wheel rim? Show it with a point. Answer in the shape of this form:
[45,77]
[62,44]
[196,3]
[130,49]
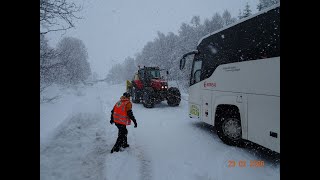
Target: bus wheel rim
[231,128]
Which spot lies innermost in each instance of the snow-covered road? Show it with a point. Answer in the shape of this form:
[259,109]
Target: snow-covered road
[76,141]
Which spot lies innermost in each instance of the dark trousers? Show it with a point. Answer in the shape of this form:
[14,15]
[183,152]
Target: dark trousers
[122,136]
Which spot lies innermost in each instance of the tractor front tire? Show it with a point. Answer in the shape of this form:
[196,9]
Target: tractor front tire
[173,97]
[134,95]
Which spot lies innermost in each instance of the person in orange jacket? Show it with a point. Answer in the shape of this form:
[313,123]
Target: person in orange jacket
[121,116]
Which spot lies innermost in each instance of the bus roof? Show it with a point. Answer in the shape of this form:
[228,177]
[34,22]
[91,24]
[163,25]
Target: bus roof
[240,21]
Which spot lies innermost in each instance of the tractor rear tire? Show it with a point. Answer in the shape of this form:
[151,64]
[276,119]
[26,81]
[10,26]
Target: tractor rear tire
[147,97]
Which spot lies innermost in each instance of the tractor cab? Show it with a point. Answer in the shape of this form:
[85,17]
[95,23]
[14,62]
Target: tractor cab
[148,73]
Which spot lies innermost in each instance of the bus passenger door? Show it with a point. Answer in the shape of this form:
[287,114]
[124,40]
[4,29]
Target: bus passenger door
[206,106]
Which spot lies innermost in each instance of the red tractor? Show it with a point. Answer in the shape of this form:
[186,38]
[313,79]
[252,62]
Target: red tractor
[149,87]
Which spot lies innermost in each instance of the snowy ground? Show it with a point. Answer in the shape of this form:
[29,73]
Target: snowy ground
[76,139]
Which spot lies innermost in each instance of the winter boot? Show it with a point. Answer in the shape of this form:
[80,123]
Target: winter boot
[125,145]
[115,150]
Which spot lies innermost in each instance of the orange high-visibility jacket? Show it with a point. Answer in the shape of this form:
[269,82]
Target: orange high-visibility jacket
[120,115]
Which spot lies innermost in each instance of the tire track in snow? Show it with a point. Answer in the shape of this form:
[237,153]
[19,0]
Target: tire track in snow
[133,160]
[145,164]
[76,150]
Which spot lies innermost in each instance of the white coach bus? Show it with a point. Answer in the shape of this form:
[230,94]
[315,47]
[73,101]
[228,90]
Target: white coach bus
[235,80]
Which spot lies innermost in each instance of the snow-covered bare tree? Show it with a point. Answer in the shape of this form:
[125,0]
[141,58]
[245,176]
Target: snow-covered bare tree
[47,65]
[266,3]
[115,75]
[187,41]
[93,77]
[129,68]
[173,51]
[73,54]
[214,24]
[57,15]
[217,21]
[227,19]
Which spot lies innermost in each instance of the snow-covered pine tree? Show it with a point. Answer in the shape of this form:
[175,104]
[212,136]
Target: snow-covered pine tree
[266,3]
[246,11]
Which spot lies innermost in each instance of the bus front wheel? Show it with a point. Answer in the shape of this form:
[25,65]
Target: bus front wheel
[229,129]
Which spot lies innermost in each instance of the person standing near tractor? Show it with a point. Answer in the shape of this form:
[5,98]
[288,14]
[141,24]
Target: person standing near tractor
[121,116]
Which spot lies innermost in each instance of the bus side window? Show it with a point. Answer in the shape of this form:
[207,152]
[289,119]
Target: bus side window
[197,75]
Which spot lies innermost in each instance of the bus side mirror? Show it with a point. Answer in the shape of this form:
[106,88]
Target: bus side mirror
[183,59]
[182,63]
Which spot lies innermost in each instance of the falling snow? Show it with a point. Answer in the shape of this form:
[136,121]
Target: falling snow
[76,140]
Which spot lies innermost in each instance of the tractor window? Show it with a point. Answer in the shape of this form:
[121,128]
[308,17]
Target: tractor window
[136,77]
[154,74]
[141,74]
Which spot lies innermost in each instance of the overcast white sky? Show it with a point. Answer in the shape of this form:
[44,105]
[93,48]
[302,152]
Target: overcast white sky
[115,29]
